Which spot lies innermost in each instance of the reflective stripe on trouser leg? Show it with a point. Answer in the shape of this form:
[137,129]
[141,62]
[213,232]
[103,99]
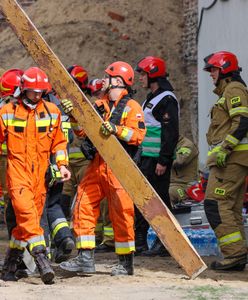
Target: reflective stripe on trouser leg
[121,210]
[108,231]
[230,238]
[87,208]
[85,242]
[36,241]
[124,248]
[58,225]
[108,236]
[223,189]
[28,207]
[17,244]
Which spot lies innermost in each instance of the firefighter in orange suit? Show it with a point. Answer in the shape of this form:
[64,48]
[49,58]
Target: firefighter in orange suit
[77,161]
[124,118]
[9,82]
[227,160]
[9,86]
[32,130]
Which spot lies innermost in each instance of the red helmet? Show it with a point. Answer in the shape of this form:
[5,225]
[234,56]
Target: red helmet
[153,66]
[123,70]
[10,81]
[35,79]
[80,75]
[195,192]
[226,61]
[94,86]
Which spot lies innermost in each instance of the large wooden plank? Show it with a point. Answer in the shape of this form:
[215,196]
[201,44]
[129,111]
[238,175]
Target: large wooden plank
[143,195]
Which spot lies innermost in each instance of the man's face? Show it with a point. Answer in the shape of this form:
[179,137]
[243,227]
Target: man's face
[105,82]
[215,73]
[33,96]
[115,81]
[143,79]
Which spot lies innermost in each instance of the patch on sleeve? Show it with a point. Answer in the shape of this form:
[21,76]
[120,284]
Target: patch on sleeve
[235,101]
[219,191]
[166,117]
[138,116]
[149,105]
[221,100]
[141,125]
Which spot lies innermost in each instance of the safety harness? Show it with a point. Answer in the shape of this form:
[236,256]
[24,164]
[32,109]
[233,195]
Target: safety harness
[115,118]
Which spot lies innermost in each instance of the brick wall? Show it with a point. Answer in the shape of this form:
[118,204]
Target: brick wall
[189,53]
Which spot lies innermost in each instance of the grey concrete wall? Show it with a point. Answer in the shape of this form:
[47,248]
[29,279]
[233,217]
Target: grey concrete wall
[224,27]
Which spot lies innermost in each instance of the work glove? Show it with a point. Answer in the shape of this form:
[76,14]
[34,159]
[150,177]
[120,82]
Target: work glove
[221,157]
[108,128]
[67,106]
[53,175]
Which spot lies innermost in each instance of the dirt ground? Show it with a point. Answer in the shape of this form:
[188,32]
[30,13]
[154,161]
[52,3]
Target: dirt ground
[157,278]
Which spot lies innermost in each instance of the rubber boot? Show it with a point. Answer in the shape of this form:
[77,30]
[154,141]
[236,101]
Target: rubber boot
[157,249]
[63,252]
[125,266]
[24,272]
[43,264]
[11,262]
[84,262]
[236,263]
[140,243]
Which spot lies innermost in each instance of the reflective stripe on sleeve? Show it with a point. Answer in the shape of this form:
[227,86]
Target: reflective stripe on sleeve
[231,139]
[10,120]
[126,134]
[238,110]
[61,155]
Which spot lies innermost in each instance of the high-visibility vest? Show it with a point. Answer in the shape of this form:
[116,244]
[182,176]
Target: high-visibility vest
[152,142]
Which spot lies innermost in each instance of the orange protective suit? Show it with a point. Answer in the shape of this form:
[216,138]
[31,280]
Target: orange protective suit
[99,182]
[31,136]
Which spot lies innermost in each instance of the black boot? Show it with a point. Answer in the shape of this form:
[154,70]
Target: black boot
[157,249]
[63,252]
[102,248]
[140,242]
[43,264]
[11,262]
[125,266]
[84,262]
[236,263]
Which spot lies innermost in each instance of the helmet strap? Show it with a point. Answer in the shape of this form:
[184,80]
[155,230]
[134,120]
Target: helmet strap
[27,102]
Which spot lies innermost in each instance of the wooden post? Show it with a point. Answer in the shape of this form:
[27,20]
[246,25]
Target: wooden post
[139,189]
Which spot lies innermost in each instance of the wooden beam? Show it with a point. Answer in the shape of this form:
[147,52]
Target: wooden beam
[139,189]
